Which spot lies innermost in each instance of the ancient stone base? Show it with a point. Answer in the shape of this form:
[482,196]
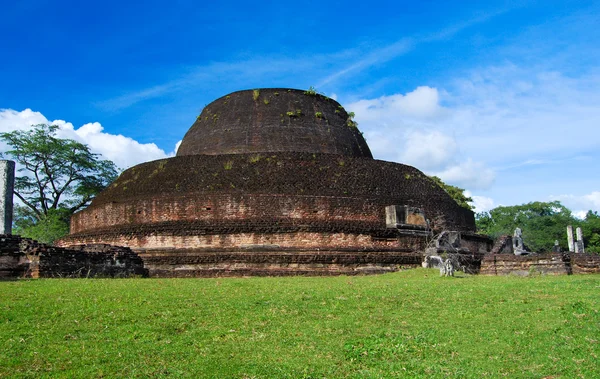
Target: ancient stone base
[199,263]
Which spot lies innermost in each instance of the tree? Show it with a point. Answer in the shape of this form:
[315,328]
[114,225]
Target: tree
[46,229]
[591,232]
[542,223]
[57,178]
[457,193]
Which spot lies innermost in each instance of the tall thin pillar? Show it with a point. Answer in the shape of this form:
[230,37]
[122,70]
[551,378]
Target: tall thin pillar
[579,248]
[570,238]
[7,185]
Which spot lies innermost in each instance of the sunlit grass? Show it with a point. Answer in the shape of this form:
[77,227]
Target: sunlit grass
[407,324]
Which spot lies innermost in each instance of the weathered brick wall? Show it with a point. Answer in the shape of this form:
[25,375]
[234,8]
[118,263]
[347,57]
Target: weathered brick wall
[233,240]
[476,243]
[257,210]
[283,193]
[506,264]
[194,263]
[22,257]
[585,263]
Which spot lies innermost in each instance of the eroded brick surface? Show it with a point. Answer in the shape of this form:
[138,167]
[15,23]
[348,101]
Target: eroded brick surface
[26,258]
[552,263]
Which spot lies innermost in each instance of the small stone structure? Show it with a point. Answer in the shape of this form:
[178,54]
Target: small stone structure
[26,258]
[405,216]
[518,246]
[503,245]
[556,248]
[7,181]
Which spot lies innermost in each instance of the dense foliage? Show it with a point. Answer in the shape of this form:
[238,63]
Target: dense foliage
[56,178]
[591,232]
[457,193]
[542,224]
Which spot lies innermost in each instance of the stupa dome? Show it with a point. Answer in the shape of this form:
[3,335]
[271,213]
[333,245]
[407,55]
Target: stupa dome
[274,120]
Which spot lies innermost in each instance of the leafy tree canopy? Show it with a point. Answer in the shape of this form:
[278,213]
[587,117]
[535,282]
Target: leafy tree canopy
[457,193]
[57,177]
[47,229]
[542,223]
[591,232]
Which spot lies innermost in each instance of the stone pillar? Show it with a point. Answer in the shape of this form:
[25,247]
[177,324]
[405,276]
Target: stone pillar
[579,243]
[570,238]
[7,183]
[393,216]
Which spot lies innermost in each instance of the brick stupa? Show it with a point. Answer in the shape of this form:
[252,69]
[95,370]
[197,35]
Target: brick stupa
[272,182]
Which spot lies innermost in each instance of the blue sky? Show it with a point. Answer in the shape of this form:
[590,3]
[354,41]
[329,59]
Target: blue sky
[501,98]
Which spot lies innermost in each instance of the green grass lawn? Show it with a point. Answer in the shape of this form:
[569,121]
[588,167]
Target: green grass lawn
[407,324]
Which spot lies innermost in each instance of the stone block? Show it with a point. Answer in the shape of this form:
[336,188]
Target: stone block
[403,214]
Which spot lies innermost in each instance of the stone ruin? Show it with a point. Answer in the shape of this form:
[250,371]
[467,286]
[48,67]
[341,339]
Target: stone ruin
[26,258]
[510,256]
[575,246]
[273,182]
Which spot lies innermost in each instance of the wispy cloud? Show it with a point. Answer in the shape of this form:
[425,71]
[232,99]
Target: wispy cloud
[580,204]
[250,71]
[322,69]
[405,45]
[377,56]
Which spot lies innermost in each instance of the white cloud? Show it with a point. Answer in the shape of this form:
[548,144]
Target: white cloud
[524,113]
[481,203]
[580,204]
[177,147]
[469,174]
[507,118]
[409,129]
[422,103]
[428,150]
[123,151]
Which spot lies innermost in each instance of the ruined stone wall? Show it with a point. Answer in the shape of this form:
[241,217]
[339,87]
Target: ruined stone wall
[503,245]
[13,262]
[26,258]
[476,243]
[585,263]
[523,265]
